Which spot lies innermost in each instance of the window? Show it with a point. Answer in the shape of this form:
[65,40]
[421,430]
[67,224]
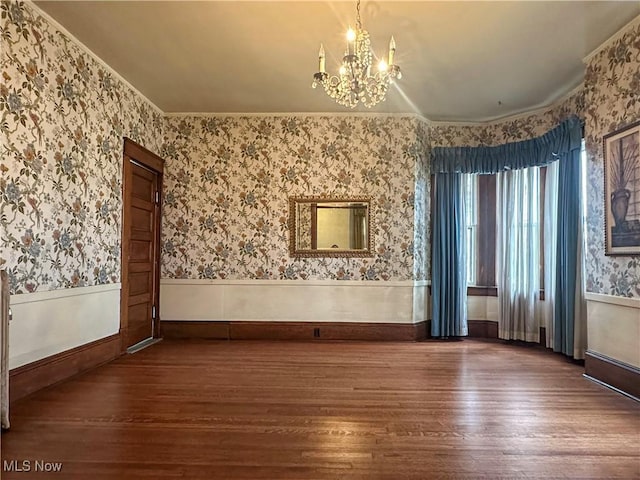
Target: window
[480,207]
[526,186]
[471,210]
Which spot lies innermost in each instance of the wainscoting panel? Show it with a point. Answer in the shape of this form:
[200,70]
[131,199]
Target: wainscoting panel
[613,326]
[482,308]
[421,302]
[48,323]
[290,301]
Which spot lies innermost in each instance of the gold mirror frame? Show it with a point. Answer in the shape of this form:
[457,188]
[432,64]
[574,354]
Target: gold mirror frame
[301,253]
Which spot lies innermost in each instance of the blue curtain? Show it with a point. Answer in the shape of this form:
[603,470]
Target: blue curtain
[567,261]
[448,275]
[449,280]
[510,156]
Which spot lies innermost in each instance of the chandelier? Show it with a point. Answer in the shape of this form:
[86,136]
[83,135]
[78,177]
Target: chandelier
[355,83]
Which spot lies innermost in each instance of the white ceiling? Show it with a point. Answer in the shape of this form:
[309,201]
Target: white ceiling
[461,61]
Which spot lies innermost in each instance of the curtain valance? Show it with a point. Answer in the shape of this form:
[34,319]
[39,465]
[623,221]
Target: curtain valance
[535,152]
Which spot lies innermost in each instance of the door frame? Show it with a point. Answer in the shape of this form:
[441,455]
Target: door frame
[151,161]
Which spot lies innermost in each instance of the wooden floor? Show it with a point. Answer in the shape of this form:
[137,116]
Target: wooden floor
[268,410]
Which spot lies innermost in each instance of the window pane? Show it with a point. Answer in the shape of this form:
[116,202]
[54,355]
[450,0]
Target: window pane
[471,208]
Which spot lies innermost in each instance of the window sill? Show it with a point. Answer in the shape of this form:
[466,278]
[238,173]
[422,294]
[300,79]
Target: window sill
[481,291]
[478,291]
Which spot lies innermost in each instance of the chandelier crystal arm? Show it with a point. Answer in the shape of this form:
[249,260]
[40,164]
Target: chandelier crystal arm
[355,83]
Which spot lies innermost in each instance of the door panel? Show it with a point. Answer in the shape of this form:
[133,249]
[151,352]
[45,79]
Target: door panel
[142,217]
[141,237]
[140,267]
[140,250]
[139,282]
[142,187]
[138,313]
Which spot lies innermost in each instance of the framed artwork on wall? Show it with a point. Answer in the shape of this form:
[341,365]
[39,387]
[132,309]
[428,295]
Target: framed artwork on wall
[622,190]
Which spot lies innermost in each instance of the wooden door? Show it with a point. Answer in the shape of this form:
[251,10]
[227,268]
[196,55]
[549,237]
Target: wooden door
[142,181]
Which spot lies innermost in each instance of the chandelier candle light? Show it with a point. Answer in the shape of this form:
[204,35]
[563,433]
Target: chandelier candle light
[355,83]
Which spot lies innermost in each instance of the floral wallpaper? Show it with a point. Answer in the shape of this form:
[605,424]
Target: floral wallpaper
[63,119]
[228,180]
[422,205]
[612,98]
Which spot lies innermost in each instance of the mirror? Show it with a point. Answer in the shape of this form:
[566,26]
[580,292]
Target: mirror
[330,227]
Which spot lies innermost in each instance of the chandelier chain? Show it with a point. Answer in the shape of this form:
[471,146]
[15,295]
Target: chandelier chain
[358,21]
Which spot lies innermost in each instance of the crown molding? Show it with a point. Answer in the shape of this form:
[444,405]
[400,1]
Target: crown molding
[296,114]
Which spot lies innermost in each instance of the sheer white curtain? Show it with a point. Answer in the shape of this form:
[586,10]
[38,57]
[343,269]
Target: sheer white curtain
[518,254]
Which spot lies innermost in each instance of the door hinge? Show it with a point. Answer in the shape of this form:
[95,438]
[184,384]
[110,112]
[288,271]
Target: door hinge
[157,197]
[153,312]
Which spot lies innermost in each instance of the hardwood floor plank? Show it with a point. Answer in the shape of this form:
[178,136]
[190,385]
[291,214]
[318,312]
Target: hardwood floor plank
[269,410]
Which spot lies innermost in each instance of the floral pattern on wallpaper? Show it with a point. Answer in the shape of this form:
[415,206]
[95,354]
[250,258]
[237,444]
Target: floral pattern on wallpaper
[64,116]
[422,206]
[612,97]
[228,180]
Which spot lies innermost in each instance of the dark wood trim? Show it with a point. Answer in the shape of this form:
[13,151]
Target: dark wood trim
[144,156]
[487,329]
[479,291]
[477,329]
[61,366]
[210,330]
[136,152]
[543,337]
[124,251]
[482,329]
[475,291]
[612,373]
[486,255]
[397,332]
